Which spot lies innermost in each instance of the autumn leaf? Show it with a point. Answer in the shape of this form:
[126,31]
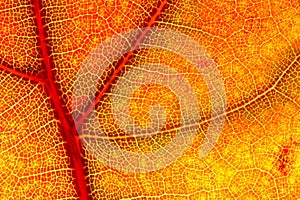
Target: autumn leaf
[255,47]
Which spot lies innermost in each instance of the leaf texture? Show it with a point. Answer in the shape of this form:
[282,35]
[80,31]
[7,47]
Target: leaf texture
[255,45]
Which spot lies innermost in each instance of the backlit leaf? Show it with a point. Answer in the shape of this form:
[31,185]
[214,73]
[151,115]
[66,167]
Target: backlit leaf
[255,46]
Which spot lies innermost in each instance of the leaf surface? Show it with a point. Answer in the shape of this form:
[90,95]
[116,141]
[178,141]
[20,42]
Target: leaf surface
[255,45]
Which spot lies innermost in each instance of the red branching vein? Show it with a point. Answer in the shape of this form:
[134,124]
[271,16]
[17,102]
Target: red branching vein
[23,75]
[119,68]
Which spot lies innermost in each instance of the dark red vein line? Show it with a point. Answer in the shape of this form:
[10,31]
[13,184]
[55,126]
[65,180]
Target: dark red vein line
[68,132]
[150,23]
[22,75]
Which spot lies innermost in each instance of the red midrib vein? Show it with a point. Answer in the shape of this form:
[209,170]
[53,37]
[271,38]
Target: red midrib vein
[122,64]
[68,132]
